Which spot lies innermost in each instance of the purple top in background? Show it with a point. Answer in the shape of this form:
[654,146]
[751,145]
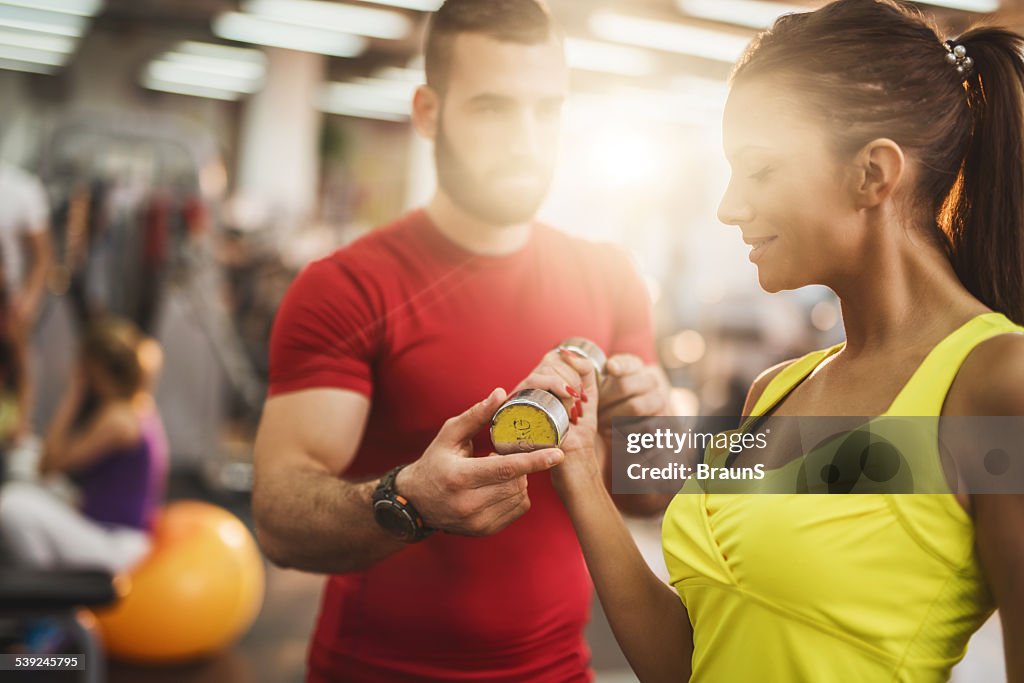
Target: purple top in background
[125,486]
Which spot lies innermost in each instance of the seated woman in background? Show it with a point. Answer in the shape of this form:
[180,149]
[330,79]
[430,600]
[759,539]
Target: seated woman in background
[108,437]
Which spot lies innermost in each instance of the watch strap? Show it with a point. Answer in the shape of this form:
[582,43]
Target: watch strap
[386,491]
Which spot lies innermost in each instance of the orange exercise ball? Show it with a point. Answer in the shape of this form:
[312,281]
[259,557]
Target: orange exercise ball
[200,588]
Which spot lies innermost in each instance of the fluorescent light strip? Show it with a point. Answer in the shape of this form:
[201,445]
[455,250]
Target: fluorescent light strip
[27,67]
[218,67]
[592,55]
[25,54]
[37,41]
[356,112]
[965,5]
[221,52]
[418,5]
[368,96]
[329,16]
[398,90]
[397,73]
[750,13]
[81,8]
[671,37]
[364,97]
[207,70]
[169,72]
[193,90]
[247,28]
[45,22]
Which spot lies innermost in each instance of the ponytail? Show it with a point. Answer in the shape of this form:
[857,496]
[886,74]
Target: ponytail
[984,216]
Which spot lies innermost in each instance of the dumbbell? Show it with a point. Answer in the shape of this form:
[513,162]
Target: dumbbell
[531,419]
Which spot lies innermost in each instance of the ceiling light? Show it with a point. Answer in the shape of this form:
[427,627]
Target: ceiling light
[247,28]
[750,13]
[397,73]
[30,19]
[330,16]
[82,8]
[38,41]
[171,72]
[219,67]
[188,89]
[365,99]
[31,55]
[669,36]
[593,55]
[238,62]
[965,5]
[420,5]
[27,67]
[221,52]
[355,112]
[342,109]
[207,69]
[402,91]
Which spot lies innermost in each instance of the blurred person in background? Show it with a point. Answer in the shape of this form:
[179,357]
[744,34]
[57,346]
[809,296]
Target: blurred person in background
[108,438]
[874,157]
[26,256]
[383,365]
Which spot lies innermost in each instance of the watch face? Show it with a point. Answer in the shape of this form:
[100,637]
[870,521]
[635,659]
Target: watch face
[394,520]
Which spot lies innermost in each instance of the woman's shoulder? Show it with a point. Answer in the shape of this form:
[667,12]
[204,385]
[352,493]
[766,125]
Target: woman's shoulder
[991,379]
[803,365]
[119,424]
[761,383]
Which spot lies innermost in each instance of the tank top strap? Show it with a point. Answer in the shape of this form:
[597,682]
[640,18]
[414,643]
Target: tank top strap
[789,377]
[925,392]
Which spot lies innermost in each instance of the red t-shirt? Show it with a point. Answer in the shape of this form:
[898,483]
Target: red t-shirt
[425,329]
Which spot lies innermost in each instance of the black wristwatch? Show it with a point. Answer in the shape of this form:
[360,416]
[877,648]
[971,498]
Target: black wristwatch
[395,514]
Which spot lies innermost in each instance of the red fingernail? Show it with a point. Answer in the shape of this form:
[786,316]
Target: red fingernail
[583,394]
[572,392]
[579,413]
[572,414]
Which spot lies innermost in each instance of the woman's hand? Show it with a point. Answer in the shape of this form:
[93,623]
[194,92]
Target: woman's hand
[647,617]
[572,379]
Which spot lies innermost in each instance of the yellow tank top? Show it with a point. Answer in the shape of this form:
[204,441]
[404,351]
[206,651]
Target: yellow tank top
[863,587]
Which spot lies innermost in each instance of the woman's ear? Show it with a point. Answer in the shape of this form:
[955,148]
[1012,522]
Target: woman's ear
[426,109]
[877,170]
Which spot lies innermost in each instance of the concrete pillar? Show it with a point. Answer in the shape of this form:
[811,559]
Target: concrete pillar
[278,157]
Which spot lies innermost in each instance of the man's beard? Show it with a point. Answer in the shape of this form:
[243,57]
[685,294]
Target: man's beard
[481,196]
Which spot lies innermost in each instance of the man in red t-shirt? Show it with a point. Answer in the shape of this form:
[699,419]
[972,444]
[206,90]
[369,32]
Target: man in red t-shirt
[381,356]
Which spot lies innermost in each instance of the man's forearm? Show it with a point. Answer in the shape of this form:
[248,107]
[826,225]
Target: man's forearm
[315,522]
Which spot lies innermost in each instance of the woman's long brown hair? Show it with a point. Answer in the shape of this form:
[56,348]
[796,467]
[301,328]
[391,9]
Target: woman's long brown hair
[877,68]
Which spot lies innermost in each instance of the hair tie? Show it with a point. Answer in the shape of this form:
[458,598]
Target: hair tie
[956,56]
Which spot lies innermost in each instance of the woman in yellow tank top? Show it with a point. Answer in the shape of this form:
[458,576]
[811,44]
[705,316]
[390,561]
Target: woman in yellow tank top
[870,156]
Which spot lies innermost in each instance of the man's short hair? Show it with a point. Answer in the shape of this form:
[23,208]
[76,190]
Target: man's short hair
[514,21]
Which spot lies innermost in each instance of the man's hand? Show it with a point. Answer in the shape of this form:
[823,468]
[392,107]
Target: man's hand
[631,389]
[461,494]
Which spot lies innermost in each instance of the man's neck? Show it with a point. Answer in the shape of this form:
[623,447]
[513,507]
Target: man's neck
[471,233]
